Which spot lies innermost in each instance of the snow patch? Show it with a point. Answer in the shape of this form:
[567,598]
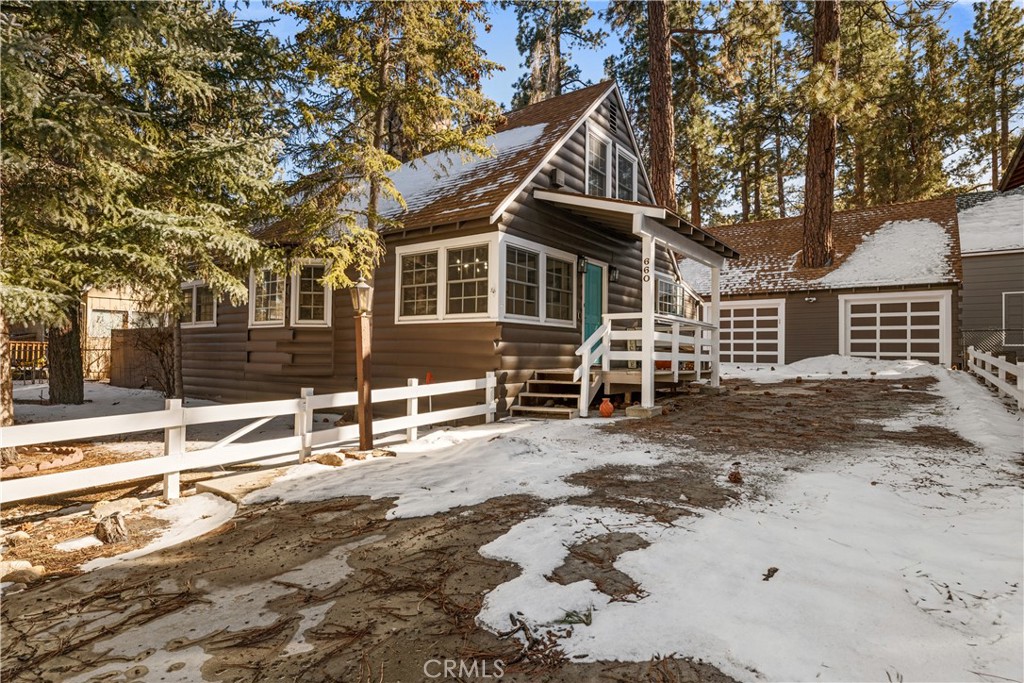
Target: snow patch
[899,252]
[78,544]
[996,224]
[831,367]
[189,518]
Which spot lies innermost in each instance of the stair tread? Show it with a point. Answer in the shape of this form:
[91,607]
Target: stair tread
[561,410]
[541,394]
[553,381]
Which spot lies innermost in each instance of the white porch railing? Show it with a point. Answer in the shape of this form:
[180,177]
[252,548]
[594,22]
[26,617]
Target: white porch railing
[174,420]
[995,371]
[678,342]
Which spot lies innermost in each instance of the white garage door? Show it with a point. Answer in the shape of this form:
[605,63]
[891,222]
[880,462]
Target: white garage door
[753,331]
[897,326]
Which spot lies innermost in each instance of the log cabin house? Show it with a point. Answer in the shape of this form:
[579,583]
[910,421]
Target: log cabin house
[548,263]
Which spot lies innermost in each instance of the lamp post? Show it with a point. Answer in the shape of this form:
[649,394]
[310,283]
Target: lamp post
[362,302]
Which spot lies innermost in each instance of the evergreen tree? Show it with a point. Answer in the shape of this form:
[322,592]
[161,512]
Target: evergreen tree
[378,83]
[995,79]
[548,31]
[139,143]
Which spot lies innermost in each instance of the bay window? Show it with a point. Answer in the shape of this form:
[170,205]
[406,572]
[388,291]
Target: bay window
[467,280]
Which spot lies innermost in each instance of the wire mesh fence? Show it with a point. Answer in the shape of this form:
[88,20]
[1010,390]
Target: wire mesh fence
[999,342]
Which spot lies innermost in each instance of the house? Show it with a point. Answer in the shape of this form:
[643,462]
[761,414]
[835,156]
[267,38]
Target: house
[508,263]
[992,247]
[890,293]
[1013,174]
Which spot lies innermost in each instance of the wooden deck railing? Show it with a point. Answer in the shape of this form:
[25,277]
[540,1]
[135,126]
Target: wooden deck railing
[28,354]
[677,342]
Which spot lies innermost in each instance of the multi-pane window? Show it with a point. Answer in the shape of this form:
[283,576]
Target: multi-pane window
[419,284]
[267,298]
[559,289]
[200,306]
[521,282]
[467,280]
[671,298]
[597,166]
[311,298]
[625,177]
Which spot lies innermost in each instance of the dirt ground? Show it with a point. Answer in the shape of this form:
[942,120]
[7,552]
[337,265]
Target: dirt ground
[416,585]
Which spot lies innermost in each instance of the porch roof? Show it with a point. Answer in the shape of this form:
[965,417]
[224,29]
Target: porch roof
[617,214]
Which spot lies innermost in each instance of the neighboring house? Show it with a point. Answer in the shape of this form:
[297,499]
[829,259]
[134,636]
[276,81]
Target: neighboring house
[103,310]
[891,292]
[992,246]
[1013,174]
[501,264]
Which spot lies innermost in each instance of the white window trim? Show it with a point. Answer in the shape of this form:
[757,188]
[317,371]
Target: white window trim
[442,247]
[543,253]
[1005,294]
[944,297]
[294,296]
[193,286]
[609,165]
[780,305]
[252,304]
[621,151]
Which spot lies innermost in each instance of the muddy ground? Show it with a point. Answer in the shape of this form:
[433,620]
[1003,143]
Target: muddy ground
[416,585]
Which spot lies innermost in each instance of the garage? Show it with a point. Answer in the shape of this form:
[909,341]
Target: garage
[753,331]
[896,326]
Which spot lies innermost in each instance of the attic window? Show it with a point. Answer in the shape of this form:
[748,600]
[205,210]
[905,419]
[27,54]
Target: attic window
[598,161]
[625,175]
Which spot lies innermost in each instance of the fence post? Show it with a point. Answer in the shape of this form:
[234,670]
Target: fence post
[174,445]
[1000,370]
[304,424]
[1020,385]
[675,351]
[492,382]
[412,408]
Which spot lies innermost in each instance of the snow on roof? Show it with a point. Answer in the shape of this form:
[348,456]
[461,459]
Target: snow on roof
[441,174]
[994,221]
[898,253]
[881,246]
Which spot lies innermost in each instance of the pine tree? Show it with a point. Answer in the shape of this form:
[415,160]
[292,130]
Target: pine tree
[139,143]
[379,83]
[548,32]
[819,181]
[995,76]
[661,108]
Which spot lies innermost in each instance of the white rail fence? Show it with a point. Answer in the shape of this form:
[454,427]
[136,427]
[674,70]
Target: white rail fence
[680,345]
[995,371]
[175,419]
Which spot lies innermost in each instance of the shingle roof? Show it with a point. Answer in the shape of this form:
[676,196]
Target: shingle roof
[477,187]
[881,246]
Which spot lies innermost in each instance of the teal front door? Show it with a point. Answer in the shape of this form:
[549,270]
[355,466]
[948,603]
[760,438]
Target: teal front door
[593,298]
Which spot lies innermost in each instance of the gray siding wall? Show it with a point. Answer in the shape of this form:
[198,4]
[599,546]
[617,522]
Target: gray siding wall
[985,280]
[812,328]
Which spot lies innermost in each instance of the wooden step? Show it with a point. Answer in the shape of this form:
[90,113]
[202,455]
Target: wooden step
[539,411]
[560,382]
[541,394]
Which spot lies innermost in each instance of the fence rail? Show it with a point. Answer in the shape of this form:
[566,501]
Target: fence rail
[996,372]
[175,419]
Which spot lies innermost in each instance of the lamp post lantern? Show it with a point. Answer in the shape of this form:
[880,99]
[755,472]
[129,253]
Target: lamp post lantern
[362,302]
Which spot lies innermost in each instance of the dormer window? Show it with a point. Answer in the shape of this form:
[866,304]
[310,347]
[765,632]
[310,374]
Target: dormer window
[598,158]
[625,175]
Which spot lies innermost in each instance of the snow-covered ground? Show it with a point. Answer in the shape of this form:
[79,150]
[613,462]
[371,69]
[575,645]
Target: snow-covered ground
[891,561]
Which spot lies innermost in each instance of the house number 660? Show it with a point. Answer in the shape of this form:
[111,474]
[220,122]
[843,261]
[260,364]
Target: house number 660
[647,270]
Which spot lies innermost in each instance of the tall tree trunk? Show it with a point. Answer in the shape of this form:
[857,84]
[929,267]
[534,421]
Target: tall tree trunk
[662,112]
[819,182]
[554,79]
[7,455]
[744,193]
[757,179]
[536,72]
[995,135]
[695,184]
[780,175]
[859,178]
[1004,129]
[67,380]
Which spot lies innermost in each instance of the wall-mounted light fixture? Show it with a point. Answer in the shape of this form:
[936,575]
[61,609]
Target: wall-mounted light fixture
[613,274]
[581,264]
[810,299]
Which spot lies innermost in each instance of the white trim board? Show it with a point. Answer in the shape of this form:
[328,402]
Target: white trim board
[945,326]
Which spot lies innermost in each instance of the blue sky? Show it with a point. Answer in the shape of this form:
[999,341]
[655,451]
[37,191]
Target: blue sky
[500,44]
